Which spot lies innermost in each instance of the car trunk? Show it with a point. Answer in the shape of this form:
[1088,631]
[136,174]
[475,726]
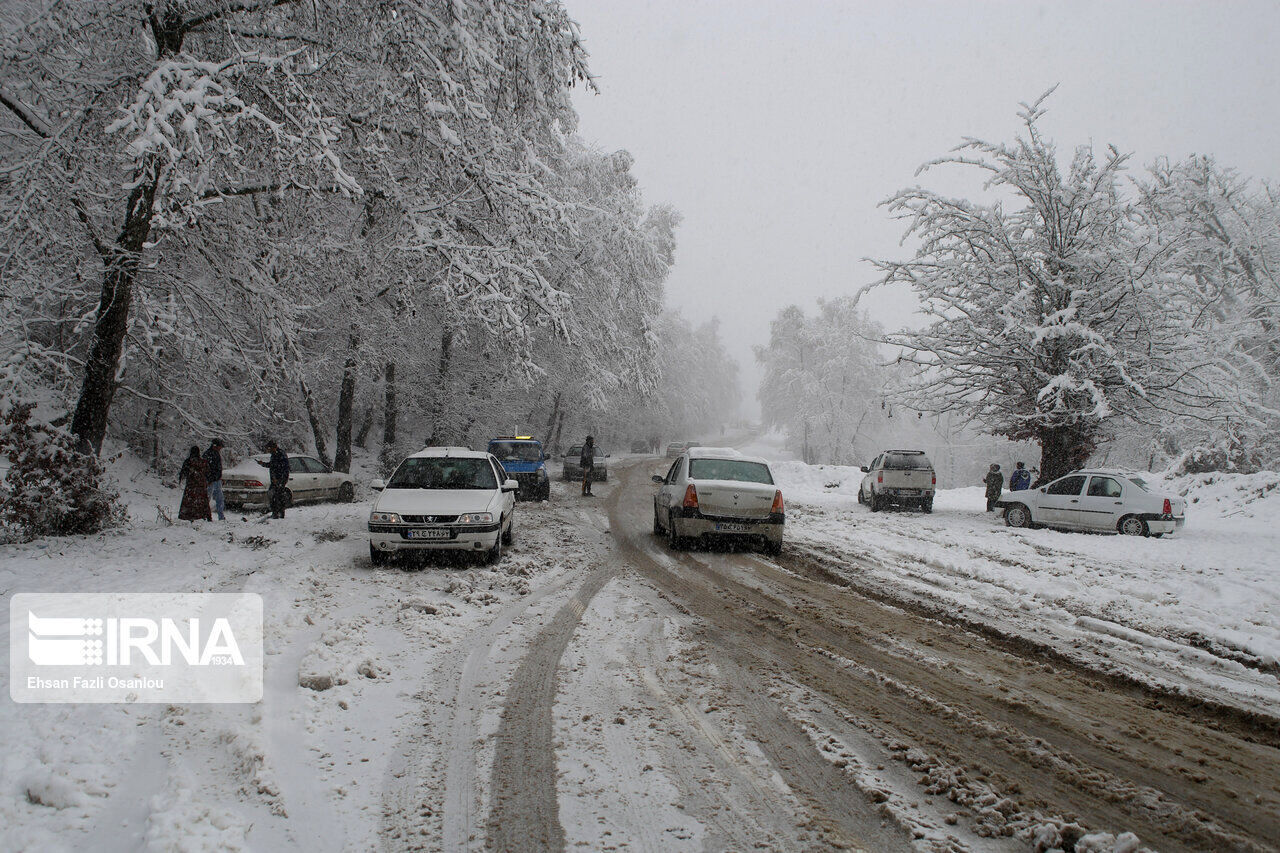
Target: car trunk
[734,499]
[906,478]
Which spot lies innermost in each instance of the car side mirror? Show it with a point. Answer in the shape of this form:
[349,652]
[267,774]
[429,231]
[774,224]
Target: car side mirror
[657,478]
[378,485]
[511,486]
[866,470]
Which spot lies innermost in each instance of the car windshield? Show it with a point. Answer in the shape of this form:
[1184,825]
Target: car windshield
[729,469]
[576,450]
[1140,483]
[906,461]
[440,472]
[516,451]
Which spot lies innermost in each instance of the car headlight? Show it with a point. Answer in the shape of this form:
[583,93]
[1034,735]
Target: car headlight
[476,518]
[384,518]
[542,473]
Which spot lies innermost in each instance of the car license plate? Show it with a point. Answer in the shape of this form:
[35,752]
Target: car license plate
[908,491]
[429,533]
[727,527]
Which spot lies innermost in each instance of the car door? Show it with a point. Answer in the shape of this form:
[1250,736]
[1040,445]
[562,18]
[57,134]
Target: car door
[1060,501]
[669,485]
[1102,503]
[508,502]
[324,484]
[301,480]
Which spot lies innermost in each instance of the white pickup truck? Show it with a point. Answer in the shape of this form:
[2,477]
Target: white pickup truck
[903,477]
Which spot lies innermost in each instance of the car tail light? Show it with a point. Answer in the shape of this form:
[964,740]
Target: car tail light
[879,478]
[1168,507]
[777,507]
[253,484]
[933,479]
[690,497]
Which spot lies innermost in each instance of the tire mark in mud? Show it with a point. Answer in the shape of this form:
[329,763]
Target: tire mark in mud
[838,812]
[524,814]
[1062,744]
[813,561]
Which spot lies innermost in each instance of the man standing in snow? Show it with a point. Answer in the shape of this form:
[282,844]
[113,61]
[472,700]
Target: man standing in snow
[278,469]
[995,485]
[1020,479]
[588,463]
[213,458]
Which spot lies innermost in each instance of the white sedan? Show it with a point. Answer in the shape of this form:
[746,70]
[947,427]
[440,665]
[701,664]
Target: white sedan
[309,480]
[444,499]
[1099,500]
[718,492]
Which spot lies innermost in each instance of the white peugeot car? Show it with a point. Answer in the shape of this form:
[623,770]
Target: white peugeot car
[444,498]
[718,492]
[1099,500]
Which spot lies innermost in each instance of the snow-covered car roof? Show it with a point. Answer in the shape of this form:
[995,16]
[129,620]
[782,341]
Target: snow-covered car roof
[456,452]
[724,453]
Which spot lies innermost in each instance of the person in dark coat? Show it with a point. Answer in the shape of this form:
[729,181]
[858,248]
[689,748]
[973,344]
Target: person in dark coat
[995,485]
[195,497]
[278,469]
[1020,479]
[213,458]
[588,462]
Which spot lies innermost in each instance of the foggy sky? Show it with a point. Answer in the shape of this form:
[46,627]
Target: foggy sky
[776,128]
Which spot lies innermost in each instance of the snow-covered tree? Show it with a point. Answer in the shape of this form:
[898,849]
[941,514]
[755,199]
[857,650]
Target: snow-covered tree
[823,382]
[1221,232]
[1052,313]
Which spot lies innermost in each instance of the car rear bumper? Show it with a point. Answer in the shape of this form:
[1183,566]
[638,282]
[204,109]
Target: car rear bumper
[396,537]
[244,497]
[693,524]
[1158,523]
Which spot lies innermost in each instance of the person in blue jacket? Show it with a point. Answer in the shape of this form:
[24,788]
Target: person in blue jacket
[1020,479]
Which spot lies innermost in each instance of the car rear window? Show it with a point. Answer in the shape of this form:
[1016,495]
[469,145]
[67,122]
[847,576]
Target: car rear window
[1140,483]
[442,472]
[907,461]
[516,451]
[729,469]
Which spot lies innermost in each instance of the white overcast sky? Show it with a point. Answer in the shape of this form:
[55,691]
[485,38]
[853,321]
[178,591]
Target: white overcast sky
[776,128]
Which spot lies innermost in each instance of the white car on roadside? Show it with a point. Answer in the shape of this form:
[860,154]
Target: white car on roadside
[1099,500]
[310,479]
[716,492]
[444,499]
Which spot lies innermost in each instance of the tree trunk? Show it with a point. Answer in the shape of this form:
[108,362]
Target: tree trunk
[317,431]
[389,416]
[366,427]
[89,422]
[555,441]
[442,378]
[346,399]
[1063,450]
[551,421]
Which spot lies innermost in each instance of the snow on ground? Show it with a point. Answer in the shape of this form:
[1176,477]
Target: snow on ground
[1198,611]
[347,650]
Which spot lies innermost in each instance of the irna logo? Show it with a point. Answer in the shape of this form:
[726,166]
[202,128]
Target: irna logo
[125,641]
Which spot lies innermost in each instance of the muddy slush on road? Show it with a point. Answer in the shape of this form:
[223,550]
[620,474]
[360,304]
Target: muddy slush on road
[786,709]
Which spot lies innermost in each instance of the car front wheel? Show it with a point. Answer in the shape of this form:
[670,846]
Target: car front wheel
[1131,525]
[494,555]
[1017,516]
[378,558]
[509,535]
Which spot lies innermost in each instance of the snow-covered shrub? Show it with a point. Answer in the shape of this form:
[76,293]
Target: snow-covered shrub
[50,489]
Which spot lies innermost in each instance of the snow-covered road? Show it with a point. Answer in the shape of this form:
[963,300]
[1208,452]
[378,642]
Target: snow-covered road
[875,688]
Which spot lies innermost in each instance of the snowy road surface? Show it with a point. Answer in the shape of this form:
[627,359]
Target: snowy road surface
[867,691]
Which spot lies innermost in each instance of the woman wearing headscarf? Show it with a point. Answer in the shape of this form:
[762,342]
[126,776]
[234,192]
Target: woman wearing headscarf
[995,485]
[195,497]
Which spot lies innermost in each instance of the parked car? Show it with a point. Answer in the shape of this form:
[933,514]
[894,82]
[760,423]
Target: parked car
[446,499]
[522,457]
[713,492]
[639,446]
[1097,499]
[675,448]
[572,464]
[310,479]
[903,477]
